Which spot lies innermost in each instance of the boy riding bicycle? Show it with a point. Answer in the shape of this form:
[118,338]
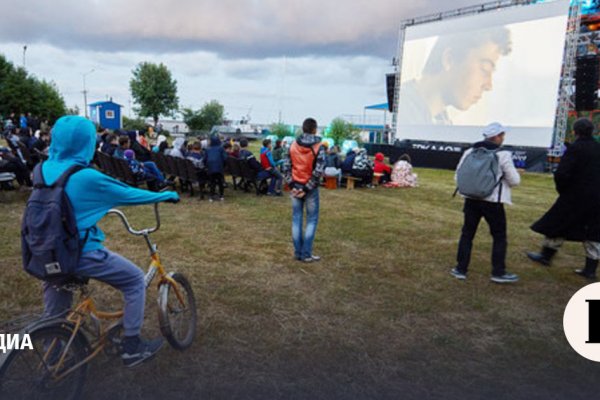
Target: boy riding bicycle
[92,194]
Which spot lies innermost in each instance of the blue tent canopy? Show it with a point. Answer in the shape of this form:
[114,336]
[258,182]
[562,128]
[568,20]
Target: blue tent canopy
[382,106]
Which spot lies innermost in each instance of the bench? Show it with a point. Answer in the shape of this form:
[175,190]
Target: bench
[376,177]
[350,180]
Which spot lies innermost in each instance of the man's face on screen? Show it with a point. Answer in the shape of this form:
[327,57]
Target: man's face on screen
[469,78]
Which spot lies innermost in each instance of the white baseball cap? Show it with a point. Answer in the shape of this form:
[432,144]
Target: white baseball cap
[494,129]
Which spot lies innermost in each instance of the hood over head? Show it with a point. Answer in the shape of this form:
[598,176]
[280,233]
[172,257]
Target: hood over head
[215,141]
[161,138]
[129,154]
[178,143]
[73,140]
[379,157]
[308,140]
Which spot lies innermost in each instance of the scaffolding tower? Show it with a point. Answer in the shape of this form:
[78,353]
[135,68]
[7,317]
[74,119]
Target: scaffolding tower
[566,85]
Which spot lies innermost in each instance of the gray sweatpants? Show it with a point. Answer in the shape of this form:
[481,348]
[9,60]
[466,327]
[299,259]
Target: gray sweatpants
[110,268]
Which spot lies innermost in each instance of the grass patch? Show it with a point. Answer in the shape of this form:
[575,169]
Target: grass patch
[378,317]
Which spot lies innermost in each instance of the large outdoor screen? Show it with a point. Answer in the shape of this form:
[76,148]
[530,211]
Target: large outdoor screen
[459,74]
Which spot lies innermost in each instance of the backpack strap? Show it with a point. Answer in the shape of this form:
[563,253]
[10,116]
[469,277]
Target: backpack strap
[38,178]
[314,165]
[62,181]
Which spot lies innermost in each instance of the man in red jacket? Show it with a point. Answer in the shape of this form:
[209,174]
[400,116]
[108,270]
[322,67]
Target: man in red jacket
[303,168]
[382,168]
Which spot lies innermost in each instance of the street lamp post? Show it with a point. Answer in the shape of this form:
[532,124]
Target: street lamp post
[85,93]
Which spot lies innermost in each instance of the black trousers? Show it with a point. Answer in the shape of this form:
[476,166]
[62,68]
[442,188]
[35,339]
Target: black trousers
[494,215]
[216,179]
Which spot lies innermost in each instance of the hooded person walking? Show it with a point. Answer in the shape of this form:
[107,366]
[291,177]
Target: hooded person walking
[575,216]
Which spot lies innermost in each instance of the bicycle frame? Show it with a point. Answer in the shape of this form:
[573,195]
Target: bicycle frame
[87,307]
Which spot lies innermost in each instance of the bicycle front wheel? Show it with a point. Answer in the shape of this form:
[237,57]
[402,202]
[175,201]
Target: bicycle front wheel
[43,373]
[177,312]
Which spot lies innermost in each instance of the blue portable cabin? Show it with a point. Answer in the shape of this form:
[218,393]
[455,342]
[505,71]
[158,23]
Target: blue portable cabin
[107,114]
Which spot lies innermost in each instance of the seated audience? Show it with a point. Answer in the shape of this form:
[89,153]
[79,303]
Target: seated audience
[333,166]
[178,150]
[215,162]
[382,168]
[147,170]
[363,167]
[235,150]
[110,145]
[269,165]
[402,175]
[348,162]
[11,163]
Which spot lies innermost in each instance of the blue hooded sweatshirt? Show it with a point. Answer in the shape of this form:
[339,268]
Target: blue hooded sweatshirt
[215,156]
[91,192]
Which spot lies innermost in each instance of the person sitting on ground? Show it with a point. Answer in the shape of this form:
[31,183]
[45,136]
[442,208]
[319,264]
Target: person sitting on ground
[110,145]
[147,171]
[269,165]
[123,145]
[178,149]
[363,167]
[92,194]
[402,173]
[215,162]
[382,168]
[333,167]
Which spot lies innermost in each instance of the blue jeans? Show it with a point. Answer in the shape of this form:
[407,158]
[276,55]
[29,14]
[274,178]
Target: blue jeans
[303,242]
[110,268]
[152,171]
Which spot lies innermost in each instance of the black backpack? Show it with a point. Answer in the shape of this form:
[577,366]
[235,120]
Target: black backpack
[50,243]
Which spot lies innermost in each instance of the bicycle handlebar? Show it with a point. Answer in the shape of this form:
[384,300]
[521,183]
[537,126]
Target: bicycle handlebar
[128,226]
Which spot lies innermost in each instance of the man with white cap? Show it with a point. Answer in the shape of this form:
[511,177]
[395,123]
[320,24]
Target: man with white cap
[489,203]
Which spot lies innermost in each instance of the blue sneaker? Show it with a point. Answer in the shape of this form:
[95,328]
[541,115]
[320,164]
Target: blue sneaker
[136,350]
[506,278]
[458,275]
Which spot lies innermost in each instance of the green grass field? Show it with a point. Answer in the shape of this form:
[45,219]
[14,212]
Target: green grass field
[378,318]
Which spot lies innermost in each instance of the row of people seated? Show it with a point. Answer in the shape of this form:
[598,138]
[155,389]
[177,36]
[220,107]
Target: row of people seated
[357,164]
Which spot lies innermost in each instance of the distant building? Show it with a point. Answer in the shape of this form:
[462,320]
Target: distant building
[107,114]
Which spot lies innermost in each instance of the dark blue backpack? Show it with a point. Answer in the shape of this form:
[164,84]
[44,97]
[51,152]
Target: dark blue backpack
[50,243]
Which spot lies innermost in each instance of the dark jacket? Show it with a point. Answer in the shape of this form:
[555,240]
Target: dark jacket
[333,161]
[348,162]
[215,156]
[575,215]
[253,163]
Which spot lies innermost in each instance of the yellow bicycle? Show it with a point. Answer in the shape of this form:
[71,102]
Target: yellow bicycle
[63,345]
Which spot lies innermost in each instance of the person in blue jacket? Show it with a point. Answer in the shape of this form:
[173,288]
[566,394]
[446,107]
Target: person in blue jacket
[92,194]
[215,162]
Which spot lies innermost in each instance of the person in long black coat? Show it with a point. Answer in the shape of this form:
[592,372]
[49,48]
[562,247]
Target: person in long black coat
[575,216]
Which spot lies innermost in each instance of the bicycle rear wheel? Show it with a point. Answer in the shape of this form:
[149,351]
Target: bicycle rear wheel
[177,315]
[35,374]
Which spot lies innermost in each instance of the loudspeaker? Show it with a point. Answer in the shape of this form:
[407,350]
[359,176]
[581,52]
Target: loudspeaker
[390,83]
[586,83]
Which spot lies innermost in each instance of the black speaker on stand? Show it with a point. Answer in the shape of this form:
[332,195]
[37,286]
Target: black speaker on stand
[586,83]
[390,83]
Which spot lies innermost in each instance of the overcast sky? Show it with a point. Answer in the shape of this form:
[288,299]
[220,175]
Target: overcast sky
[300,58]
